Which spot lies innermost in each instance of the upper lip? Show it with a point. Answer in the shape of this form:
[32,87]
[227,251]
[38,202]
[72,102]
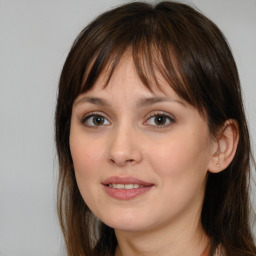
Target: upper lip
[125,180]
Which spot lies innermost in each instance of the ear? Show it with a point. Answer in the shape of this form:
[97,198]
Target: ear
[224,147]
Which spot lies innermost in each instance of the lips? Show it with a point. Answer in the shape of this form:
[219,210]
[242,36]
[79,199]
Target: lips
[126,188]
[126,180]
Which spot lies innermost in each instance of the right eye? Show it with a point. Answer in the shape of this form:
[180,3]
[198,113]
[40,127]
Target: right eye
[95,120]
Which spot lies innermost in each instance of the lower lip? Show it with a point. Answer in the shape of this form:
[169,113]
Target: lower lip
[126,194]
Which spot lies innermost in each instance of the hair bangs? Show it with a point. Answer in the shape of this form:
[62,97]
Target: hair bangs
[155,60]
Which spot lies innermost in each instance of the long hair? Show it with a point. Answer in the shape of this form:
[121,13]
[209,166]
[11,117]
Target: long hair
[192,55]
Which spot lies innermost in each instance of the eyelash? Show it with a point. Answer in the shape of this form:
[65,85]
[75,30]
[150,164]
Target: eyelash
[85,119]
[167,117]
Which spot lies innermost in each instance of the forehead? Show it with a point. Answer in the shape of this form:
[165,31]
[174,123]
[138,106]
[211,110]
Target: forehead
[125,79]
[126,72]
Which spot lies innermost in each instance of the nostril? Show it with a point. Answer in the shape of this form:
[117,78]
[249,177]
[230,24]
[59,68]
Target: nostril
[122,162]
[125,155]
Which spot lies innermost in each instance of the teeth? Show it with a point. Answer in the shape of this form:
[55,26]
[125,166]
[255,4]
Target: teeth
[118,186]
[124,186]
[128,186]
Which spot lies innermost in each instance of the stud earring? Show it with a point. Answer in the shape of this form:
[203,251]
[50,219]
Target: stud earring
[217,165]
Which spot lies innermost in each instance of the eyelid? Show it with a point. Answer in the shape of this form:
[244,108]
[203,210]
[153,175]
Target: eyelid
[94,113]
[161,113]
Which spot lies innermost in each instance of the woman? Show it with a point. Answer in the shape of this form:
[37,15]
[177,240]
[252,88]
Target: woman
[152,139]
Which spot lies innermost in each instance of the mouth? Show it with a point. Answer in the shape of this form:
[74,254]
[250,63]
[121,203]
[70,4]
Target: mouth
[126,188]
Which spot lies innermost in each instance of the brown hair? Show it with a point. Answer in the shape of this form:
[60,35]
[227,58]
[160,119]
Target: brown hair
[192,55]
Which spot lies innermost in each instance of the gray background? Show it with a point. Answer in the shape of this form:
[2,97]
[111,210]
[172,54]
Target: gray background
[35,37]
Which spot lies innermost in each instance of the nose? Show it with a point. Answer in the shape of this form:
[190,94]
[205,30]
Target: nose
[125,147]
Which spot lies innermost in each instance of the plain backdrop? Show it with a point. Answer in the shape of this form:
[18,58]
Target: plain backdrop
[35,37]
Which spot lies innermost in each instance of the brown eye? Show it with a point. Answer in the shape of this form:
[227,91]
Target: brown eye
[95,120]
[98,120]
[160,120]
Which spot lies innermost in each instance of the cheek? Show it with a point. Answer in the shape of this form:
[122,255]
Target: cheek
[87,159]
[184,155]
[87,156]
[181,167]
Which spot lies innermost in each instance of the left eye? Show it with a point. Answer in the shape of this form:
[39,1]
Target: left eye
[160,120]
[95,120]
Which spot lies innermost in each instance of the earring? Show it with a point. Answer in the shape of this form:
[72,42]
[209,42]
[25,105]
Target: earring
[217,165]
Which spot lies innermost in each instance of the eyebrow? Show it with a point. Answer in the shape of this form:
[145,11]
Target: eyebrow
[141,102]
[93,100]
[153,100]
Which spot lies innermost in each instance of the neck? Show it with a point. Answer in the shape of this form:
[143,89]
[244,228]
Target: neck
[189,240]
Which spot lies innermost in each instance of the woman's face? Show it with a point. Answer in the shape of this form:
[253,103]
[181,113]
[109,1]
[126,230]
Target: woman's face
[140,157]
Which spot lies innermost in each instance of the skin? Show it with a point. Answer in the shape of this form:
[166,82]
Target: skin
[173,155]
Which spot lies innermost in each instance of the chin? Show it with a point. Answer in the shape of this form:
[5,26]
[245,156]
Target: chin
[129,227]
[127,222]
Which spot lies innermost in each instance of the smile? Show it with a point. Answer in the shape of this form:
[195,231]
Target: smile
[125,186]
